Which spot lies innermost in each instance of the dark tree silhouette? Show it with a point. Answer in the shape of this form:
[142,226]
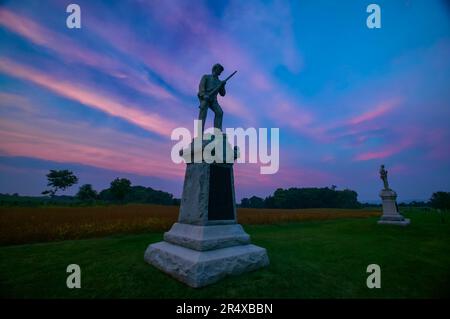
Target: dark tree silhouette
[59,179]
[306,198]
[120,187]
[252,202]
[440,200]
[86,192]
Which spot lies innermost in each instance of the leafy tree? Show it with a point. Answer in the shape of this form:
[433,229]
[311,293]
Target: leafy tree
[119,188]
[59,179]
[440,200]
[86,192]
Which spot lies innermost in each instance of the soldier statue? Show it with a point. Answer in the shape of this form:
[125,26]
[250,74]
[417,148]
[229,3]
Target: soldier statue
[384,178]
[210,85]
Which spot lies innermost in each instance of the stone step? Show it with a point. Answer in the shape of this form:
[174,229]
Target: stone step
[204,238]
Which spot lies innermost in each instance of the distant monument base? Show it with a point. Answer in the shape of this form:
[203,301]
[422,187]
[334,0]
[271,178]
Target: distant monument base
[404,222]
[391,216]
[207,244]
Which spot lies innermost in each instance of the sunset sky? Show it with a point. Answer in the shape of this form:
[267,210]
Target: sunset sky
[102,100]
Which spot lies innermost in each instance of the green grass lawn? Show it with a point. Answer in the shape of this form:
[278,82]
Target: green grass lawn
[326,259]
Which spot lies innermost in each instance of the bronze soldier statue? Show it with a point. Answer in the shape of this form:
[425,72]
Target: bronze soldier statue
[383,176]
[209,86]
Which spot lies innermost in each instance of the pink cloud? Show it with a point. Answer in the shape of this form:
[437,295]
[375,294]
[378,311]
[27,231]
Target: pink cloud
[376,155]
[360,127]
[148,121]
[432,143]
[292,115]
[35,135]
[379,110]
[209,45]
[124,40]
[305,122]
[25,27]
[394,148]
[73,51]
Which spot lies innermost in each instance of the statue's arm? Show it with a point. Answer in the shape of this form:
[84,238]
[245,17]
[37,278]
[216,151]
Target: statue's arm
[202,86]
[222,91]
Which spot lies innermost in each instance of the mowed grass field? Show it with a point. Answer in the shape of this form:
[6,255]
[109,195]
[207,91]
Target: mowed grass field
[324,258]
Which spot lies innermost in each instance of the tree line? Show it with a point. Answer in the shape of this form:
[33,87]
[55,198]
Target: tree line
[121,191]
[330,198]
[305,198]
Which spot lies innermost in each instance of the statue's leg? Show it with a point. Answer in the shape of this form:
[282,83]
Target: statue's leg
[202,114]
[218,115]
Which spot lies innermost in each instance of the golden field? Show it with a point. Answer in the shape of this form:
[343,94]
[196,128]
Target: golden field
[20,225]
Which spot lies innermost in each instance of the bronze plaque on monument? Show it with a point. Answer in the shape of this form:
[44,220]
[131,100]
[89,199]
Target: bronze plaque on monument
[220,204]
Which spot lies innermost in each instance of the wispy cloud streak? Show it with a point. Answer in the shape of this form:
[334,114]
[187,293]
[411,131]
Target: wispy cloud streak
[77,92]
[72,51]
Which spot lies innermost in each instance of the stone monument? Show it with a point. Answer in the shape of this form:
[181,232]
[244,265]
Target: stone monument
[390,209]
[207,243]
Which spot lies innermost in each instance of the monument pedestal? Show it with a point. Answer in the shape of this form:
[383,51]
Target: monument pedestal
[206,244]
[390,212]
[200,268]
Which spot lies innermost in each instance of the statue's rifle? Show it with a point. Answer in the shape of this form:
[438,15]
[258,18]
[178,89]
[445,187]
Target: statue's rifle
[217,88]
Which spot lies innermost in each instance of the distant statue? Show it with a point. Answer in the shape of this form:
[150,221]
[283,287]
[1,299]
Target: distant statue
[384,177]
[210,85]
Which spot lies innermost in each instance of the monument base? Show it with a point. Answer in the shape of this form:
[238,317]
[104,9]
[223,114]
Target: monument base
[391,216]
[207,244]
[201,268]
[403,222]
